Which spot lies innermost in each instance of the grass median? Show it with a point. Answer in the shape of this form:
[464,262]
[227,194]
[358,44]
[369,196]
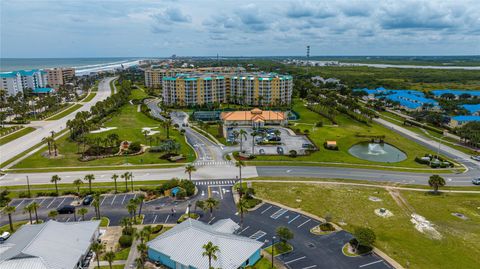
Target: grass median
[65,112]
[17,134]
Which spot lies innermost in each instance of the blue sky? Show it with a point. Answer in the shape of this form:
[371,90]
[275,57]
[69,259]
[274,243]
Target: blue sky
[109,28]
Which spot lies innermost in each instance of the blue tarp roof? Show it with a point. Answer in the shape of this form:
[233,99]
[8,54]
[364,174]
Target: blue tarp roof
[466,118]
[455,92]
[472,108]
[175,191]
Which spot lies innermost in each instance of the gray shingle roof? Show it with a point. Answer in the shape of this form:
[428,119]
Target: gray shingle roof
[183,244]
[51,245]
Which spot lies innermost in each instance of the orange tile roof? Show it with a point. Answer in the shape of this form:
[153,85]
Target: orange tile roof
[255,115]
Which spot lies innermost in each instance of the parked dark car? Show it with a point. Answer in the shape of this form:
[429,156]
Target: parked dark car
[476,181]
[280,150]
[66,209]
[87,200]
[307,146]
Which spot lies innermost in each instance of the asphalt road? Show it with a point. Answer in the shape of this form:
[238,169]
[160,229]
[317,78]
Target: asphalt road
[44,128]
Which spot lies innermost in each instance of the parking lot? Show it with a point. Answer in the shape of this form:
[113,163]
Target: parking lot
[289,141]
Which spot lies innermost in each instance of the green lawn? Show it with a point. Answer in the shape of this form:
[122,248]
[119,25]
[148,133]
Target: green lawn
[90,97]
[15,135]
[279,248]
[396,235]
[214,131]
[16,225]
[345,135]
[104,221]
[129,125]
[263,263]
[122,254]
[65,112]
[118,266]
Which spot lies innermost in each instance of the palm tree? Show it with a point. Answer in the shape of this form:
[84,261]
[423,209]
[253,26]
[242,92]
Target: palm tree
[142,249]
[28,209]
[35,206]
[148,232]
[125,176]
[139,200]
[98,249]
[240,164]
[55,179]
[211,203]
[242,207]
[189,169]
[109,257]
[89,178]
[210,250]
[132,209]
[10,210]
[83,211]
[166,124]
[139,263]
[49,140]
[243,135]
[253,134]
[114,177]
[436,181]
[53,214]
[77,183]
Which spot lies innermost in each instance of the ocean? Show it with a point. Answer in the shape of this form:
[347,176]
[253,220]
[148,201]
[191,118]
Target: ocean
[81,65]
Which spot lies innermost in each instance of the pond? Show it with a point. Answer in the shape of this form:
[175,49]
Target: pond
[377,152]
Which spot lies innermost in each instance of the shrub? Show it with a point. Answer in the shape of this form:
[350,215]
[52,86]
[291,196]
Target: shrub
[128,231]
[319,124]
[185,216]
[125,241]
[181,194]
[157,228]
[23,194]
[327,226]
[293,153]
[134,147]
[188,186]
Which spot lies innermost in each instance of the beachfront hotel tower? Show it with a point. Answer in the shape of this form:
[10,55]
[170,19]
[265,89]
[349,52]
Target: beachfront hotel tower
[239,88]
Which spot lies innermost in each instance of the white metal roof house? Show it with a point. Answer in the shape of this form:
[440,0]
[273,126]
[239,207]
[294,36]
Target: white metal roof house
[182,246]
[50,245]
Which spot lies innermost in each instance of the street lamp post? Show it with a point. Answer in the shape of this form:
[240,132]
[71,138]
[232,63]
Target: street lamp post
[273,248]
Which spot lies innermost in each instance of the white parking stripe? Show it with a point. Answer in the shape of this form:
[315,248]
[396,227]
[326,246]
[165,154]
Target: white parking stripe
[211,220]
[257,235]
[61,202]
[303,223]
[113,200]
[124,198]
[42,201]
[244,230]
[265,210]
[168,216]
[367,264]
[103,200]
[20,203]
[294,219]
[67,219]
[308,267]
[51,202]
[294,260]
[154,219]
[279,213]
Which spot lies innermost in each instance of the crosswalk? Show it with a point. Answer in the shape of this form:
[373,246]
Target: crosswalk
[220,182]
[214,163]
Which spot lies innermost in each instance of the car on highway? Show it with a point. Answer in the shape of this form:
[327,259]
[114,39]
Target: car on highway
[476,181]
[476,158]
[87,200]
[66,209]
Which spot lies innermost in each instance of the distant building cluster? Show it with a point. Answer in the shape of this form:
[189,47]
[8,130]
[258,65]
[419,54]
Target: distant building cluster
[412,100]
[200,86]
[38,80]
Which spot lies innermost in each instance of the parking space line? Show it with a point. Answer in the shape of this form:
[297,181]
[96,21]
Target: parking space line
[61,202]
[244,230]
[20,203]
[211,220]
[279,213]
[371,263]
[124,198]
[115,196]
[265,210]
[303,223]
[154,219]
[51,202]
[294,260]
[42,201]
[308,267]
[294,219]
[67,219]
[220,191]
[168,216]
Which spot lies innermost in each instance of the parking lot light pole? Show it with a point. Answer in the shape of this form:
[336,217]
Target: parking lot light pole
[273,249]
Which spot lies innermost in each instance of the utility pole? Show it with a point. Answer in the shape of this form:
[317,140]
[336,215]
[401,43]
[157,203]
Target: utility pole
[28,186]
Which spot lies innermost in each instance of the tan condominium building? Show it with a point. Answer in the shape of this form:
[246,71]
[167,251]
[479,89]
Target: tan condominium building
[59,76]
[244,88]
[154,76]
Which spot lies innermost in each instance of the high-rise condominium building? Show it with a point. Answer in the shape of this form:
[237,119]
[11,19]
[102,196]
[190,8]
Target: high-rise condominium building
[59,76]
[15,82]
[239,88]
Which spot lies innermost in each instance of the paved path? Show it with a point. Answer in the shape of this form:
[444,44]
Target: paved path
[44,128]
